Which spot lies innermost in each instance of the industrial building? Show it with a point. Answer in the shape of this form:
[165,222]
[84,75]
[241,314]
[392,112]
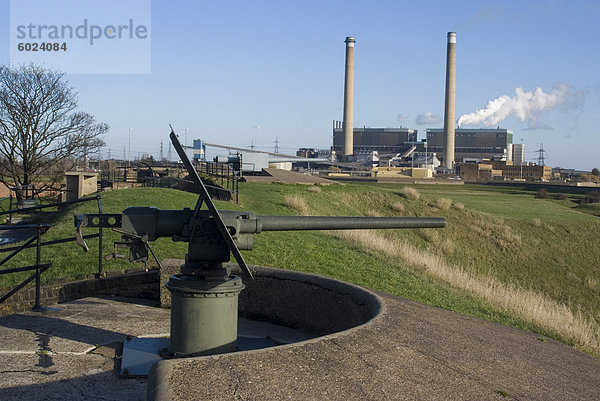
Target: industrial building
[474,143]
[518,154]
[504,170]
[367,140]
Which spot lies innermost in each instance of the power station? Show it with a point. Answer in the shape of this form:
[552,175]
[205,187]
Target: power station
[366,139]
[443,151]
[472,144]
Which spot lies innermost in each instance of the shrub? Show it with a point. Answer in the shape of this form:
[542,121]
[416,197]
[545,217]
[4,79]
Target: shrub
[592,197]
[542,194]
[559,196]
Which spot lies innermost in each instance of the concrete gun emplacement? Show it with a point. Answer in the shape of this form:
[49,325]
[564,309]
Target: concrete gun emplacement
[204,295]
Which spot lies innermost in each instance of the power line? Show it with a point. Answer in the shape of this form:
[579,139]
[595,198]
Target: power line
[541,159]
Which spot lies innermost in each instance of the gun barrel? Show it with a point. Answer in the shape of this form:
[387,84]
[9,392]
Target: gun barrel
[292,223]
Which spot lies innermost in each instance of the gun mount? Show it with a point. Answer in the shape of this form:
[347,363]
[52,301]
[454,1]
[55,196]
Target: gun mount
[204,295]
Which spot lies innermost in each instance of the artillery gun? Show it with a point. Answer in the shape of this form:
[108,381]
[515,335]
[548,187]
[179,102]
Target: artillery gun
[204,296]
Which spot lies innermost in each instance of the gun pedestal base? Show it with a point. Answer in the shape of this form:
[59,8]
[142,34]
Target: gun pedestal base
[204,314]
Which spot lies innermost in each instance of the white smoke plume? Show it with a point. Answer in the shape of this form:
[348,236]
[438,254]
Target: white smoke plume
[526,106]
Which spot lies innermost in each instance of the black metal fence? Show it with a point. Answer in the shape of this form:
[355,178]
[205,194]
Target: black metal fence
[172,176]
[189,186]
[34,232]
[220,172]
[27,192]
[37,230]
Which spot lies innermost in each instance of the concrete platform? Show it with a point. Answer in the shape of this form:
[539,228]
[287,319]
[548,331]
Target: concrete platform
[72,352]
[408,351]
[287,177]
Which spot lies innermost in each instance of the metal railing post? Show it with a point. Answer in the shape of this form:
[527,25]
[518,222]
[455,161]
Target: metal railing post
[38,280]
[100,235]
[10,203]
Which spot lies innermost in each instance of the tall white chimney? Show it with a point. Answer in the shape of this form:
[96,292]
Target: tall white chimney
[450,99]
[349,98]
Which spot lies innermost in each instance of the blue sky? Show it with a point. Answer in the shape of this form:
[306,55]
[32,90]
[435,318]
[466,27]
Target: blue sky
[219,68]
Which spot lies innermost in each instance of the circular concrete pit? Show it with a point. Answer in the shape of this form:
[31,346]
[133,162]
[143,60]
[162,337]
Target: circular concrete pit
[371,346]
[310,304]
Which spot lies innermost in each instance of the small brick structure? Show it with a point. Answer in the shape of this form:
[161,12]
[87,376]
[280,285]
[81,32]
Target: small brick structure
[79,184]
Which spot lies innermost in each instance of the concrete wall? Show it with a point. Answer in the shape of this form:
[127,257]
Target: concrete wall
[141,284]
[314,304]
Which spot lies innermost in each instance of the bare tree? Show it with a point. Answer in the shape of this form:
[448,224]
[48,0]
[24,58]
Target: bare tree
[41,133]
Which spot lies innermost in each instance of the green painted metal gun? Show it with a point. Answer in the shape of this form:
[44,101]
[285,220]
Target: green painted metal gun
[207,247]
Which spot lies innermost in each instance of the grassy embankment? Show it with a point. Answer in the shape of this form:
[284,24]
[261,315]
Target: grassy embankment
[504,255]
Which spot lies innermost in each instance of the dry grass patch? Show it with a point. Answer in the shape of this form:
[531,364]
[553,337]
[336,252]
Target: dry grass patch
[497,231]
[410,193]
[458,206]
[528,305]
[297,203]
[443,203]
[314,188]
[438,242]
[591,283]
[510,236]
[430,235]
[397,207]
[447,246]
[483,228]
[373,213]
[347,199]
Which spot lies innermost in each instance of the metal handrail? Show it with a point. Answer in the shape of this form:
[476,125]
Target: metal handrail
[28,209]
[39,267]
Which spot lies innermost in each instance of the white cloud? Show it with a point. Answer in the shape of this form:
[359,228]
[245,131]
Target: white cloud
[428,118]
[402,117]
